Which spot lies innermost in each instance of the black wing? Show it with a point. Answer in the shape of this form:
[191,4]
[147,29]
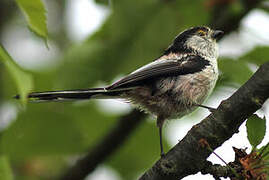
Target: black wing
[161,68]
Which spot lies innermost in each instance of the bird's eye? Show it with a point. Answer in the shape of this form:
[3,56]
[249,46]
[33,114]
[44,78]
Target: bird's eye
[201,32]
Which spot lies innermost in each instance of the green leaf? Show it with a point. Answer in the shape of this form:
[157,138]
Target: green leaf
[238,71]
[35,14]
[5,170]
[23,80]
[257,56]
[256,130]
[235,71]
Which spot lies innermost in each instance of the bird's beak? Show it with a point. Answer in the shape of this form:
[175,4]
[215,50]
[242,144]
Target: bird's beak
[217,34]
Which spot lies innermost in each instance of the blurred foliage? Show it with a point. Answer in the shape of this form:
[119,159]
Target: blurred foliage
[256,56]
[236,72]
[5,170]
[44,136]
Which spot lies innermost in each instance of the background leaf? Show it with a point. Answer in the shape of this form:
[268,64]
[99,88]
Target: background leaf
[35,14]
[256,130]
[22,79]
[257,55]
[5,170]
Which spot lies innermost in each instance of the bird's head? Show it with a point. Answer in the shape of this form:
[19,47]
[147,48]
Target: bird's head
[200,40]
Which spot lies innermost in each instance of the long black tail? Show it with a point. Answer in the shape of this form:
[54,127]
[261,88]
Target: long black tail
[96,93]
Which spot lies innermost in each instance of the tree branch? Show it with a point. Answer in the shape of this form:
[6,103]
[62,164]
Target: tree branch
[188,156]
[106,147]
[217,170]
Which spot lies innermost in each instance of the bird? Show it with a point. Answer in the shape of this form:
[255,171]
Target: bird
[169,87]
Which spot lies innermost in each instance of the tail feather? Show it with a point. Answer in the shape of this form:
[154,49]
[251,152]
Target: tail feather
[96,93]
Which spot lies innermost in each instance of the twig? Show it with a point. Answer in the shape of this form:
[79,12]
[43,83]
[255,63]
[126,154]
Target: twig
[217,170]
